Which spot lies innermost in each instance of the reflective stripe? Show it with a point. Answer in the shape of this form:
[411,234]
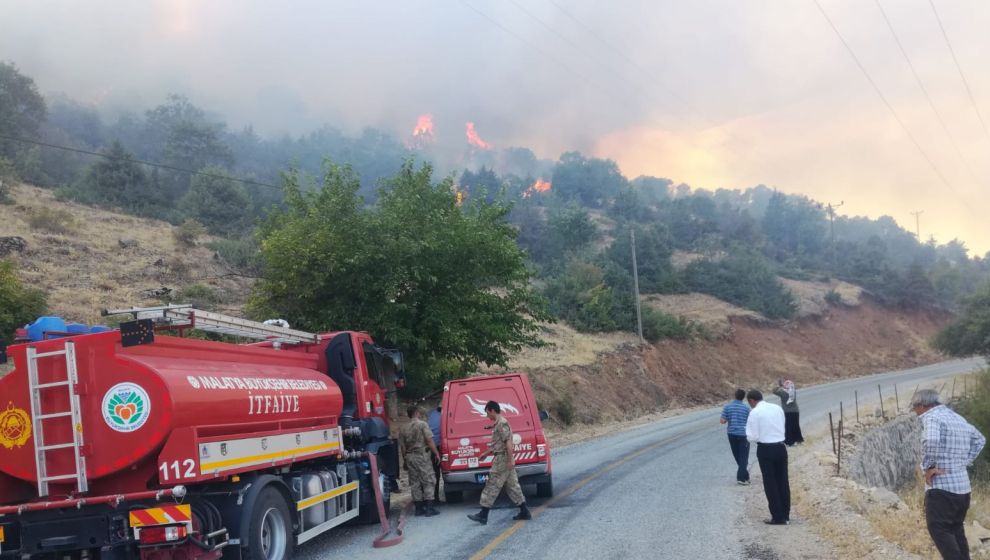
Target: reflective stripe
[268,456]
[329,494]
[160,515]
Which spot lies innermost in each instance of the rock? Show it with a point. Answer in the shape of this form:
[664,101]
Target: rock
[156,292]
[10,245]
[127,243]
[977,534]
[884,499]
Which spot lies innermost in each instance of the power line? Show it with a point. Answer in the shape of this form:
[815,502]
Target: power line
[537,49]
[883,98]
[579,48]
[671,92]
[924,90]
[142,162]
[969,92]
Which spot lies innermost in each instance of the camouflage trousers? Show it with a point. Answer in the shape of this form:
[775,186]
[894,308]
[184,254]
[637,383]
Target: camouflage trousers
[422,480]
[503,474]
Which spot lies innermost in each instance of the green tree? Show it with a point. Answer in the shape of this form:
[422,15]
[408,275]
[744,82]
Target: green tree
[217,202]
[19,304]
[968,335]
[591,181]
[441,282]
[22,112]
[118,181]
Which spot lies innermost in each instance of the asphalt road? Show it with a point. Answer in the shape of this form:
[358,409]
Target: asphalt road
[662,490]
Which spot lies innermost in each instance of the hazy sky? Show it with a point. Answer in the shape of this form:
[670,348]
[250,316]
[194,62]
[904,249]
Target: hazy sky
[714,93]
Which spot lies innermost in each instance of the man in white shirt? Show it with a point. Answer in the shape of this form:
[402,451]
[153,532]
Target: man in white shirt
[765,426]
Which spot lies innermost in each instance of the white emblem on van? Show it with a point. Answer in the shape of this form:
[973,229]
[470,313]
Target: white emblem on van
[516,439]
[465,442]
[479,407]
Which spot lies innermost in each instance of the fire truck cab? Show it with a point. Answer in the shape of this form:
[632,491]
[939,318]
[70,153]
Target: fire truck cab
[465,433]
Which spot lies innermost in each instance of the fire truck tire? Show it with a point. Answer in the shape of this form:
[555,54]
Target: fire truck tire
[270,534]
[369,511]
[545,489]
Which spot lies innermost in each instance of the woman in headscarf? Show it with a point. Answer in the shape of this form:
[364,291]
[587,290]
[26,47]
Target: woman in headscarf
[788,401]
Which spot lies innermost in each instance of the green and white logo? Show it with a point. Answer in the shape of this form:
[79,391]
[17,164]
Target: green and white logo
[126,407]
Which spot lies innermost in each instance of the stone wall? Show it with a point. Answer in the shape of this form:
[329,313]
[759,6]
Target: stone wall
[887,456]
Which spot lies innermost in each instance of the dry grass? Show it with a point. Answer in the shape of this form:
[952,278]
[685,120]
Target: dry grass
[87,270]
[810,296]
[568,347]
[710,311]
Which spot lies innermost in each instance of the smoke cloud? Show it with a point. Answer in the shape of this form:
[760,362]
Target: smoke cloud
[713,93]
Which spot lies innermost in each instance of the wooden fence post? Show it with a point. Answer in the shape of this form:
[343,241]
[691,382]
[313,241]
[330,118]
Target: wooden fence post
[831,430]
[882,414]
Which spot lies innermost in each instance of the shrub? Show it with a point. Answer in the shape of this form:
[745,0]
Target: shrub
[242,253]
[19,304]
[833,298]
[564,410]
[658,325]
[199,296]
[52,220]
[743,278]
[188,232]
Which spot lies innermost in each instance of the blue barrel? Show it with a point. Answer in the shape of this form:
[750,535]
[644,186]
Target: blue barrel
[99,328]
[77,328]
[36,330]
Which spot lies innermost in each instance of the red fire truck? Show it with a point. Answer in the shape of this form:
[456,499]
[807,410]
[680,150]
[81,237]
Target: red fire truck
[128,444]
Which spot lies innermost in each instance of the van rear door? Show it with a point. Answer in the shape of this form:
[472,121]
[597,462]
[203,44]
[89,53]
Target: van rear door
[466,429]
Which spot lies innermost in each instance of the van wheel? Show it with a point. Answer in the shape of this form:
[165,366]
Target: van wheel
[270,531]
[454,497]
[545,489]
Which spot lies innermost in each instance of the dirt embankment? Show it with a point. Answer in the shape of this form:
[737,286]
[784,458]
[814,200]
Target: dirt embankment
[640,379]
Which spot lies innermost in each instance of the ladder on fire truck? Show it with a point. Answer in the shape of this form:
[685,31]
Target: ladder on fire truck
[186,317]
[38,416]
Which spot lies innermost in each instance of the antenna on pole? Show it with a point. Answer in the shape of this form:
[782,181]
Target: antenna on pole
[831,222]
[917,224]
[639,315]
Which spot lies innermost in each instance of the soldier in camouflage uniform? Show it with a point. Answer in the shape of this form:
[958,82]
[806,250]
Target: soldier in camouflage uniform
[416,441]
[503,472]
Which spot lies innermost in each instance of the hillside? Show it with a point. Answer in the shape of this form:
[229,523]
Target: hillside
[96,259]
[87,259]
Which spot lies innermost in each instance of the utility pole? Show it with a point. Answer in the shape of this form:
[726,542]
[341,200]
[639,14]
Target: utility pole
[917,224]
[831,224]
[639,315]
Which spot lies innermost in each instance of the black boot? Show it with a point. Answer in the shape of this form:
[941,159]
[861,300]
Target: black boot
[523,513]
[430,508]
[480,517]
[420,510]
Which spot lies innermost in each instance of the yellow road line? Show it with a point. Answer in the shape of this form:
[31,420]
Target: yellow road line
[484,552]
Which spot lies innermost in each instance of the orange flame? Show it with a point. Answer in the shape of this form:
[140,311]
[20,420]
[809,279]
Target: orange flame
[540,186]
[474,139]
[424,128]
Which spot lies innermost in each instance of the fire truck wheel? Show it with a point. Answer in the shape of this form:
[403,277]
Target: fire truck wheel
[270,536]
[454,497]
[545,489]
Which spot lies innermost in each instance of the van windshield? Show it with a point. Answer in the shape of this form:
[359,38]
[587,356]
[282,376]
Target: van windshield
[466,414]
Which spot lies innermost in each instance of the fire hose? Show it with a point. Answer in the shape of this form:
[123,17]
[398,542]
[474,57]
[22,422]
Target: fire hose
[381,541]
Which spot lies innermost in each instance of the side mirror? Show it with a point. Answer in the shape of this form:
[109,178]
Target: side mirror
[544,416]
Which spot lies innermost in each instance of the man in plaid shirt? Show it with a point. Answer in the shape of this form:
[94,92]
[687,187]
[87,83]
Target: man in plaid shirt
[949,444]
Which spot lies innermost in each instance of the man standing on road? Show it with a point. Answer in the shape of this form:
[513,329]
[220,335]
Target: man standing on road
[792,417]
[735,414]
[434,422]
[765,426]
[503,472]
[416,442]
[948,445]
